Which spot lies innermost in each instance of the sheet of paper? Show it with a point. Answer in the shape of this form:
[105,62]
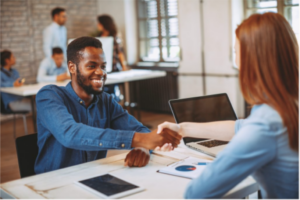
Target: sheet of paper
[189,168]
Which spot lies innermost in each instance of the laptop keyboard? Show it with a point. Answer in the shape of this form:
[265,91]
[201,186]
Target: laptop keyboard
[212,143]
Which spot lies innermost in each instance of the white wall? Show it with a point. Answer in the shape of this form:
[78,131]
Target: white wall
[217,31]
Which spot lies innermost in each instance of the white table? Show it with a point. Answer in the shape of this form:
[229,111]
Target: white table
[60,183]
[114,78]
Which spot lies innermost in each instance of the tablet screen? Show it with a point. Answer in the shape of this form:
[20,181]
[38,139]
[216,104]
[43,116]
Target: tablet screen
[108,184]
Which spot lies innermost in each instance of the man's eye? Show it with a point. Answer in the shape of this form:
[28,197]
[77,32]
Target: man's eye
[92,66]
[104,67]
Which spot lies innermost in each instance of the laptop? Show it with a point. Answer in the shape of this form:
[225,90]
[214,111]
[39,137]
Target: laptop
[208,108]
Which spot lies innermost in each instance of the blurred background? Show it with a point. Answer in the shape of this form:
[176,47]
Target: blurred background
[192,40]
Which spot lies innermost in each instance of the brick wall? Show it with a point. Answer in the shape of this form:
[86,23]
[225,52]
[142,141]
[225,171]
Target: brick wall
[22,23]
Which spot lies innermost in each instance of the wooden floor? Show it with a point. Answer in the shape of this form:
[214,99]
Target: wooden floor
[9,163]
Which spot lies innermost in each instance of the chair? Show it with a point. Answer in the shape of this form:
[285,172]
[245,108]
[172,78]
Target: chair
[5,111]
[27,151]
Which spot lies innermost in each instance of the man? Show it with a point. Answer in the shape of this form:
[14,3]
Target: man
[79,122]
[54,68]
[11,78]
[55,35]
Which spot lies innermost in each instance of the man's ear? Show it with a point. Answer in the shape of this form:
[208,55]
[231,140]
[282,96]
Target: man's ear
[72,67]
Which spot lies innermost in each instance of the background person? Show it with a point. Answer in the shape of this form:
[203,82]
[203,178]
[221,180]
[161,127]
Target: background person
[55,35]
[54,68]
[265,145]
[11,78]
[107,27]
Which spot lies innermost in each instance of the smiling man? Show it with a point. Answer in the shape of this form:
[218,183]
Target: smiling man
[79,123]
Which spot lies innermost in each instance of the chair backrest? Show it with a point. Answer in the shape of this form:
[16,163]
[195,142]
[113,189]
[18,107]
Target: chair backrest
[27,151]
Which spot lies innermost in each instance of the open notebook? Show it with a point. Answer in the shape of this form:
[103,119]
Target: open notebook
[189,168]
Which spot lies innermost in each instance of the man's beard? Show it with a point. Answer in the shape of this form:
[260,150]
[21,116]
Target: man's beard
[87,88]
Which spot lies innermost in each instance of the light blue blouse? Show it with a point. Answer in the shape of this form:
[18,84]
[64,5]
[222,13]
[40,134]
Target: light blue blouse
[260,148]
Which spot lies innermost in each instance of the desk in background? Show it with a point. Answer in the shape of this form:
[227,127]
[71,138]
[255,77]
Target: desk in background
[60,183]
[113,78]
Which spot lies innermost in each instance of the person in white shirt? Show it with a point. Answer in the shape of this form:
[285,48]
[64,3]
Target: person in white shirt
[54,68]
[55,35]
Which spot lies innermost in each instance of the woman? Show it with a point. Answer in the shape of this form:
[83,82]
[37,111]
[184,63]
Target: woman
[265,145]
[107,27]
[10,78]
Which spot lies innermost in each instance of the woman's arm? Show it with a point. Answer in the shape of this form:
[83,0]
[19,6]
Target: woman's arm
[221,130]
[122,61]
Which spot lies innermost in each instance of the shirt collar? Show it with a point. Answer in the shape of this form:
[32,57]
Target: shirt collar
[56,25]
[70,89]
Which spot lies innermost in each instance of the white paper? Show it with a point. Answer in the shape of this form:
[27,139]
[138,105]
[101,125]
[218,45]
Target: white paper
[189,168]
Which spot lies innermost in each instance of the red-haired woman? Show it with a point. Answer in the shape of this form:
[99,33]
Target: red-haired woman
[265,145]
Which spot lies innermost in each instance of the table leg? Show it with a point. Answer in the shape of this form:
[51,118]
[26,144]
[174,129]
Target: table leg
[33,113]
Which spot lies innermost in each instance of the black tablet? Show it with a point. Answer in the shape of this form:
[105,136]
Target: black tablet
[109,186]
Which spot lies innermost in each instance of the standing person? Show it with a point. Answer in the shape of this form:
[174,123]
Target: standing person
[54,68]
[11,78]
[107,27]
[55,35]
[265,145]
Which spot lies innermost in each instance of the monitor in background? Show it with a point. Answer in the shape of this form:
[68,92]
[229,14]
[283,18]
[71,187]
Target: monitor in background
[202,109]
[108,47]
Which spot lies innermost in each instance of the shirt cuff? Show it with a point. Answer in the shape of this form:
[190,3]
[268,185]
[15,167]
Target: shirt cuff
[238,125]
[122,140]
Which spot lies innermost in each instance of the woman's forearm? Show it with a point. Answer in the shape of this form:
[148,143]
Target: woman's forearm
[221,130]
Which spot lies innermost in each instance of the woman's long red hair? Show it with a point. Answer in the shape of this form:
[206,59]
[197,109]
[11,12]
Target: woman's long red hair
[269,65]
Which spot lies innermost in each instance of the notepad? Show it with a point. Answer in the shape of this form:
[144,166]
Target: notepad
[189,168]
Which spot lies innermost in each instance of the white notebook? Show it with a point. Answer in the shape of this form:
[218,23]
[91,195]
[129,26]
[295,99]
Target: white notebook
[189,168]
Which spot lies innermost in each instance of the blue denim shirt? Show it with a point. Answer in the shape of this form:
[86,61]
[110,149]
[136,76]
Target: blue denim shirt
[260,148]
[7,80]
[69,133]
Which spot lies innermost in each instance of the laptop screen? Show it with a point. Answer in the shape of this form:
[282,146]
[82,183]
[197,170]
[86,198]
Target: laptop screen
[203,109]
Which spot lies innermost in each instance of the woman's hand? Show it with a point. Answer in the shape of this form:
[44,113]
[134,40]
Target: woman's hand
[172,126]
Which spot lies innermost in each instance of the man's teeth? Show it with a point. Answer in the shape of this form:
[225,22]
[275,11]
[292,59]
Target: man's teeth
[98,81]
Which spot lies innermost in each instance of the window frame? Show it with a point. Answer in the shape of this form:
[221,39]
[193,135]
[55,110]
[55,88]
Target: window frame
[159,37]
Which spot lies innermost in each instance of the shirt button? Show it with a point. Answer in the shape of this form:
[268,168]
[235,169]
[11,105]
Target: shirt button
[80,102]
[100,144]
[123,145]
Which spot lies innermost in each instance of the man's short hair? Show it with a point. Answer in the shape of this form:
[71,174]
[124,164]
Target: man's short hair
[56,50]
[79,44]
[56,11]
[5,54]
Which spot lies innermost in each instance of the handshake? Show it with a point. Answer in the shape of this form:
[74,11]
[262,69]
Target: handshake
[164,139]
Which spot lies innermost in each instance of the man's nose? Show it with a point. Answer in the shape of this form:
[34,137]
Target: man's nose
[99,71]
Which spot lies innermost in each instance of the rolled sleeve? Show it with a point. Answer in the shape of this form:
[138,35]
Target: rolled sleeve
[238,125]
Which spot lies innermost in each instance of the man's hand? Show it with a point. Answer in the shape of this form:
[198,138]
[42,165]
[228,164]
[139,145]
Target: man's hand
[18,82]
[62,77]
[153,140]
[138,157]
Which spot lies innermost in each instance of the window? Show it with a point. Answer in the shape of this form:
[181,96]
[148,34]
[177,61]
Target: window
[158,30]
[288,8]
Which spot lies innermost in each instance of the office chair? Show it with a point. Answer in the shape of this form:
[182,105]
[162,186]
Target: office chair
[27,151]
[5,111]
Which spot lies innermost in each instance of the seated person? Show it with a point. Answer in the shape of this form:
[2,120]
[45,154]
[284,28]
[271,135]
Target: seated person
[11,78]
[54,68]
[79,122]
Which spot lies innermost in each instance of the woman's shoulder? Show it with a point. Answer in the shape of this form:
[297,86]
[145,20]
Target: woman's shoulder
[265,117]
